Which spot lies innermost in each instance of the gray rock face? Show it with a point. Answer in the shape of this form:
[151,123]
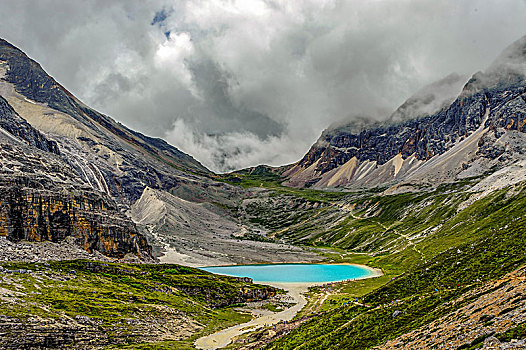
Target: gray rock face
[11,122]
[42,199]
[117,160]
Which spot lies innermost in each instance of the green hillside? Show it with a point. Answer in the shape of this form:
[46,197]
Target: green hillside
[167,305]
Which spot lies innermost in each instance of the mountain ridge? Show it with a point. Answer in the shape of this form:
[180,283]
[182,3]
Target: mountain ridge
[103,165]
[383,154]
[36,87]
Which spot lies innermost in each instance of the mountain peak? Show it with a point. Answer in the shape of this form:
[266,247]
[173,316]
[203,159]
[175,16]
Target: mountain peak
[436,133]
[512,59]
[509,68]
[431,98]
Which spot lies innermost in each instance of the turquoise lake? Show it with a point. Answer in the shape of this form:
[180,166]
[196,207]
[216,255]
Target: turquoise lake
[293,272]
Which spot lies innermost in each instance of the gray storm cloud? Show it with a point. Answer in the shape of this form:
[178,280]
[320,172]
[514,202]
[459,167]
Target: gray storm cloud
[236,83]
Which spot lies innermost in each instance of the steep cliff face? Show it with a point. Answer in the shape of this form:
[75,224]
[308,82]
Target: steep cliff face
[99,155]
[483,127]
[93,221]
[43,199]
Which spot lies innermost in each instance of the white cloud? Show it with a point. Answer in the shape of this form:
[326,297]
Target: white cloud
[255,80]
[171,56]
[232,150]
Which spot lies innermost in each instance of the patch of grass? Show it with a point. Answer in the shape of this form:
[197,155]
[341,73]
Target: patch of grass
[271,307]
[264,178]
[116,296]
[517,332]
[424,293]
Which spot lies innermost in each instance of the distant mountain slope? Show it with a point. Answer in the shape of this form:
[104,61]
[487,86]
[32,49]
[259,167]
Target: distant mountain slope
[482,129]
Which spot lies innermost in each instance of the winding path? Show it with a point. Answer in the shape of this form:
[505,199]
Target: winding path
[407,238]
[223,338]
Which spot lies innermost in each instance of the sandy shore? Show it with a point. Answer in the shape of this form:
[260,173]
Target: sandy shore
[373,271]
[295,290]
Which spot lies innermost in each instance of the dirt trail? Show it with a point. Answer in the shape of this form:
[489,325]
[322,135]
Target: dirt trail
[223,338]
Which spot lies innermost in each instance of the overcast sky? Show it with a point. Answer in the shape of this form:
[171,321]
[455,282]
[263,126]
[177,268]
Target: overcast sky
[243,82]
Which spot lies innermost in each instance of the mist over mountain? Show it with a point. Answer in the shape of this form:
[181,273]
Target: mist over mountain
[241,83]
[440,134]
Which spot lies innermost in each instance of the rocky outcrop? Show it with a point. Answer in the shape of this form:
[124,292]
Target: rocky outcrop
[93,221]
[46,334]
[83,333]
[243,295]
[17,127]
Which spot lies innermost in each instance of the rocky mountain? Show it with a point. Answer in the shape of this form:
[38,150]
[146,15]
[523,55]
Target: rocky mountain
[482,130]
[69,171]
[75,184]
[117,160]
[44,199]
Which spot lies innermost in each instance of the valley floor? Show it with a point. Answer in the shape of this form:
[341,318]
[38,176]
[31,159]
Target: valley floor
[220,250]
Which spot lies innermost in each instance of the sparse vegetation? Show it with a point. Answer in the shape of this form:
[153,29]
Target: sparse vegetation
[123,299]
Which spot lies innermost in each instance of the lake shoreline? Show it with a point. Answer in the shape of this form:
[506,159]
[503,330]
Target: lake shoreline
[295,289]
[224,337]
[370,272]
